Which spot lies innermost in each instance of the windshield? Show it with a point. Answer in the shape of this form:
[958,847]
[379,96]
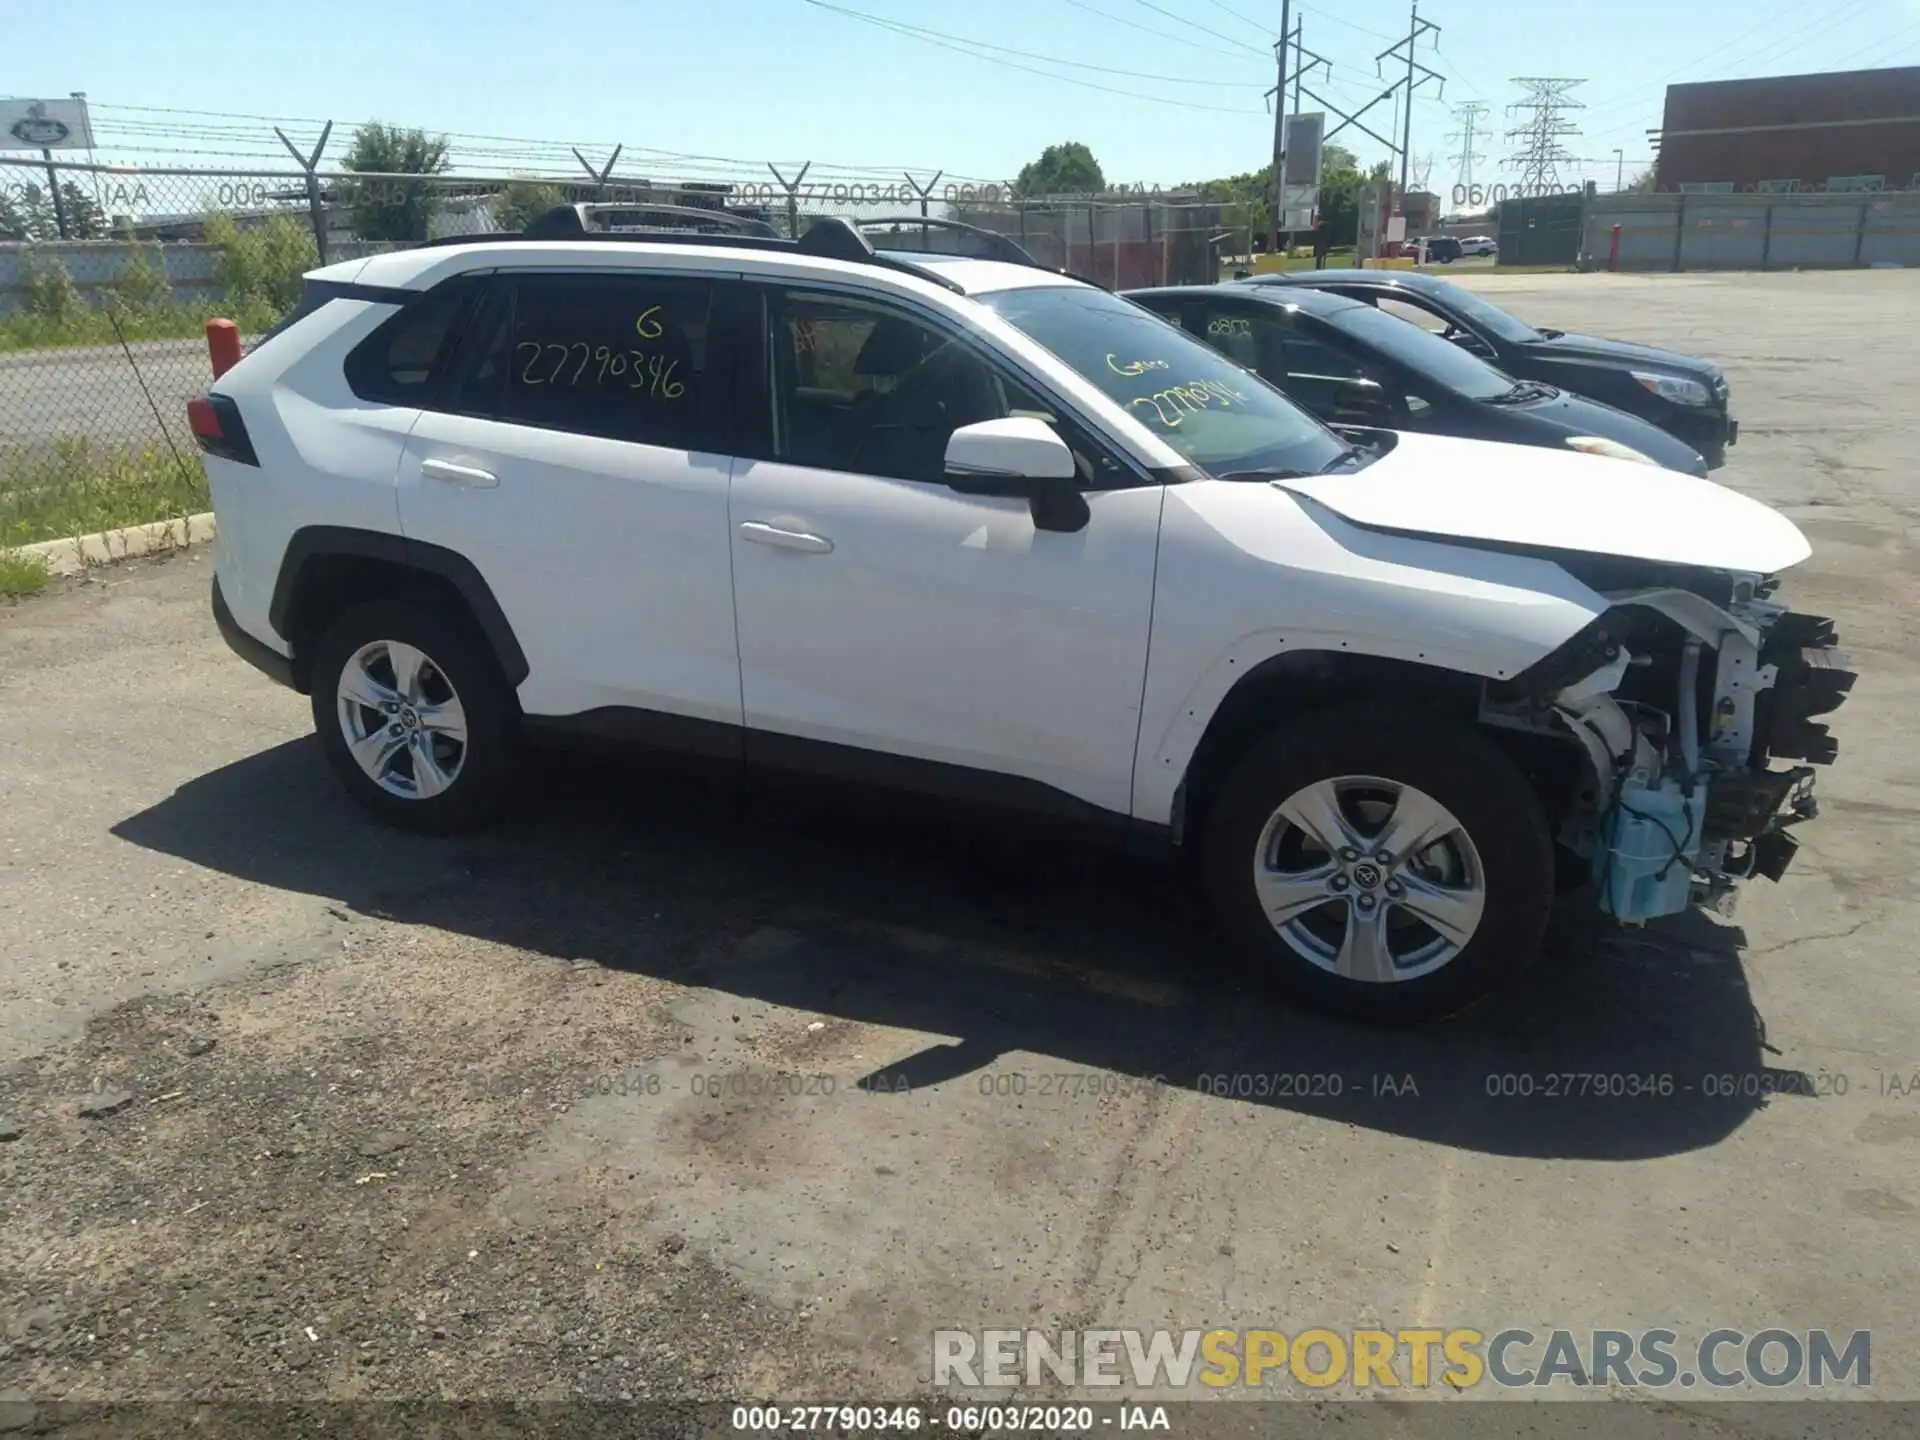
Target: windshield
[1214,413]
[1423,352]
[1490,318]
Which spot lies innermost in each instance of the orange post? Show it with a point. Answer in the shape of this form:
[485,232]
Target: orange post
[1613,250]
[223,345]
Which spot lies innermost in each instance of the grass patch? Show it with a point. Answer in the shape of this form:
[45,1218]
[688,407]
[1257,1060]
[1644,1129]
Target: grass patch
[79,488]
[27,331]
[20,574]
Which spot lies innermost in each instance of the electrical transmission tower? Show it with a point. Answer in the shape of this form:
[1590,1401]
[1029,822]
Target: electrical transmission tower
[1541,152]
[1466,157]
[1417,75]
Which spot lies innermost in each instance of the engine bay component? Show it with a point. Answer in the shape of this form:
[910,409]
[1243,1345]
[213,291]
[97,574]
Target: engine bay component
[1680,701]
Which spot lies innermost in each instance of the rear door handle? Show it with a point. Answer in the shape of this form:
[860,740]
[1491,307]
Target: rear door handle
[761,534]
[470,475]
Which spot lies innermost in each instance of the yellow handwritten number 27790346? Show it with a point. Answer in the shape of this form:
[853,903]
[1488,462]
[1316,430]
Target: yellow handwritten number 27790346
[554,363]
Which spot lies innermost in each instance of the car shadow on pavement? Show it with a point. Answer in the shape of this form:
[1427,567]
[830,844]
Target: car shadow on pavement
[1045,956]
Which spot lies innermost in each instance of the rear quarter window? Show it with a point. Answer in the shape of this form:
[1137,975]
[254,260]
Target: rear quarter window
[403,360]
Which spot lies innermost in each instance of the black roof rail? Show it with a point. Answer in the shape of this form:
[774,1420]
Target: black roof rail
[829,237]
[569,222]
[1000,247]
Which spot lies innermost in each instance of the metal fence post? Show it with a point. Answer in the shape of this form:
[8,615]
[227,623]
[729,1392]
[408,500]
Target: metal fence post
[316,207]
[53,188]
[1766,237]
[1680,230]
[924,191]
[600,175]
[793,196]
[1860,231]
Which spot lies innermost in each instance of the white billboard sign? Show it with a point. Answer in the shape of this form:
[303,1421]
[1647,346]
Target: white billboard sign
[45,125]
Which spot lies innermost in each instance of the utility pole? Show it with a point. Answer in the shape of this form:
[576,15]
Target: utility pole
[1416,30]
[1619,171]
[1280,127]
[1304,60]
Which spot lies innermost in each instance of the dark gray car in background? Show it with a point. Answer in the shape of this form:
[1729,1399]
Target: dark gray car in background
[1350,363]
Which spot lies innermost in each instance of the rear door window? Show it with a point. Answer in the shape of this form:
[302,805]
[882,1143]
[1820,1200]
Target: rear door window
[620,356]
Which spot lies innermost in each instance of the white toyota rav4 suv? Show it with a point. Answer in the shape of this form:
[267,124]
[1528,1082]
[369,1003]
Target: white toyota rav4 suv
[971,527]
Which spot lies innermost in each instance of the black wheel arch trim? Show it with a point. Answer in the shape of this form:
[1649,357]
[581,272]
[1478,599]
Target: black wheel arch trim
[320,541]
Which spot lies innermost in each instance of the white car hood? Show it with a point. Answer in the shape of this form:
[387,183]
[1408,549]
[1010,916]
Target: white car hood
[1535,498]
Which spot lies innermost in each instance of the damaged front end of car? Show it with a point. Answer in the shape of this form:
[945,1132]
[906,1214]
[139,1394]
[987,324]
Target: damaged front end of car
[1681,696]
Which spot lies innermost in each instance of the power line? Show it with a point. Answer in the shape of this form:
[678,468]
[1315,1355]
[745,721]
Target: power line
[1541,153]
[1243,19]
[1161,34]
[960,48]
[1196,25]
[920,33]
[1341,20]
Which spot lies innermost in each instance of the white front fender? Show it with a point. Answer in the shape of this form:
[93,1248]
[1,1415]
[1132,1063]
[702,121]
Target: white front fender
[1280,574]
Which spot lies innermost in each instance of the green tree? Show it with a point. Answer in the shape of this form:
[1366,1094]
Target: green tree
[1252,195]
[1641,184]
[33,217]
[85,219]
[392,209]
[260,269]
[16,222]
[522,201]
[1065,169]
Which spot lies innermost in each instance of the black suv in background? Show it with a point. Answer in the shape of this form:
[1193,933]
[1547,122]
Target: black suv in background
[1683,395]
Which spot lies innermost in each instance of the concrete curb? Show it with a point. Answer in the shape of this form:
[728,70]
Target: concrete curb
[71,556]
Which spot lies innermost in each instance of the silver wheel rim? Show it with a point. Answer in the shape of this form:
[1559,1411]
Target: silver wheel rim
[1369,879]
[402,720]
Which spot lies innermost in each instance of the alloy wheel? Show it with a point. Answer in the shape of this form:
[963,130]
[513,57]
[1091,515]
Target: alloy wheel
[1369,879]
[402,719]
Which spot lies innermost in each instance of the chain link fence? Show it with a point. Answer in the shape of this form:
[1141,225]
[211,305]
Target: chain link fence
[108,275]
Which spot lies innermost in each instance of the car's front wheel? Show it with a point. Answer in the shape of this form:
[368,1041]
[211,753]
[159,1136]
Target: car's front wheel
[412,718]
[1380,863]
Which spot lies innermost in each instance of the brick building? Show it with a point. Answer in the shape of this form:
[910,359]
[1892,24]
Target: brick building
[1850,130]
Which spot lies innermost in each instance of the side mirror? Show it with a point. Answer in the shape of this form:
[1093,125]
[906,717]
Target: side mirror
[1020,458]
[1363,402]
[1472,344]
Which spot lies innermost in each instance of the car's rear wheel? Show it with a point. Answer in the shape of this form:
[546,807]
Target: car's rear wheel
[412,718]
[1379,864]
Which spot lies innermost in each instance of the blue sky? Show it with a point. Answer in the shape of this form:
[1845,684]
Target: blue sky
[738,82]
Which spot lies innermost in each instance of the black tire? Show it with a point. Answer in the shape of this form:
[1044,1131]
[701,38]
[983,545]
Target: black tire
[1452,763]
[459,654]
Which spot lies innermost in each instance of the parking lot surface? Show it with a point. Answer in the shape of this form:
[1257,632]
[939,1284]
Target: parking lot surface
[665,1089]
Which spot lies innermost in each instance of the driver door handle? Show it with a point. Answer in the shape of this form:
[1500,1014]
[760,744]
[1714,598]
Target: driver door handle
[762,534]
[469,475]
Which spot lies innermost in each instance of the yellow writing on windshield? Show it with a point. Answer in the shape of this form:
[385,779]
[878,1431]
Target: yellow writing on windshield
[1131,368]
[1176,402]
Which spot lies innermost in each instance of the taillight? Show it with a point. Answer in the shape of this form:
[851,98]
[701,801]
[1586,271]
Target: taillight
[219,430]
